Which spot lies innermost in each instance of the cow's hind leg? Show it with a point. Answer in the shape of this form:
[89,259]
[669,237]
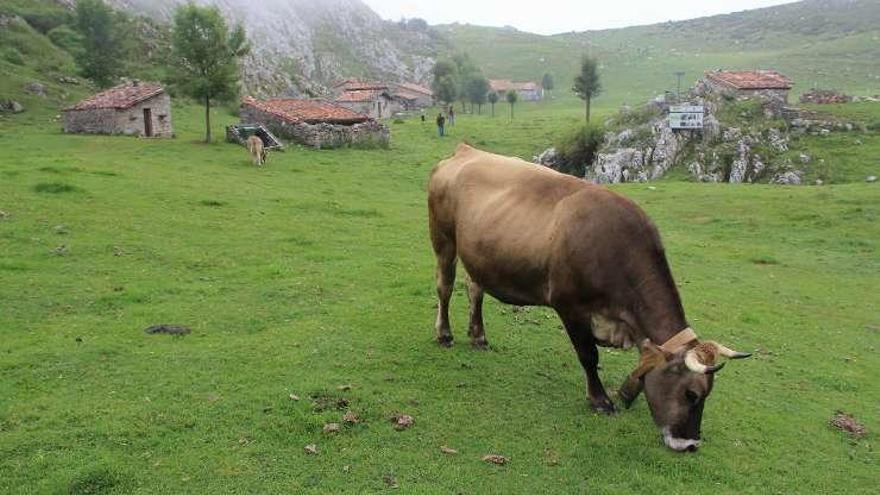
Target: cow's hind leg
[580,331]
[476,331]
[444,248]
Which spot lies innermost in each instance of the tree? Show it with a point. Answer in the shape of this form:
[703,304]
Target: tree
[511,98]
[477,86]
[206,56]
[493,99]
[587,85]
[465,70]
[445,82]
[547,82]
[101,56]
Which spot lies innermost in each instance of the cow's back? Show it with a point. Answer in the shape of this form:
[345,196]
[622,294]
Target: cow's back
[501,213]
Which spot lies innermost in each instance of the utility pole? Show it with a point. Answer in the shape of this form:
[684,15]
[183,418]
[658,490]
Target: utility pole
[679,75]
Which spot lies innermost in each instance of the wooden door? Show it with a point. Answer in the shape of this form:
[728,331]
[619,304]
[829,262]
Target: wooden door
[148,122]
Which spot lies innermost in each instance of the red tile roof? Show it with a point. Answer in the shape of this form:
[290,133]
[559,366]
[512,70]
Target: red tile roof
[361,95]
[499,85]
[415,88]
[123,96]
[751,79]
[307,111]
[353,84]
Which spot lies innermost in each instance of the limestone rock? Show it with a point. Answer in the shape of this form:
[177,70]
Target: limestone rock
[11,106]
[35,88]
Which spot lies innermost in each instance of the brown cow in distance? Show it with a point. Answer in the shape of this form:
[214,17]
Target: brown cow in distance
[256,149]
[528,235]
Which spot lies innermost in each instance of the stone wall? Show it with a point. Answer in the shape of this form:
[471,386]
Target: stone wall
[371,108]
[129,121]
[322,135]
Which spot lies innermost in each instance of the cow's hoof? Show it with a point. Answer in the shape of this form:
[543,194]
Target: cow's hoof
[445,341]
[603,406]
[480,344]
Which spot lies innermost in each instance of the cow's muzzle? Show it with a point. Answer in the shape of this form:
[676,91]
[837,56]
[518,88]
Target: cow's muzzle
[679,444]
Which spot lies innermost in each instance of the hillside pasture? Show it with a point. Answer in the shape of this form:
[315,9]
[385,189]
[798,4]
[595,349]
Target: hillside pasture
[313,278]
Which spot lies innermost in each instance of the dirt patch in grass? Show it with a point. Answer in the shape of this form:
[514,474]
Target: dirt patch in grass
[323,401]
[845,422]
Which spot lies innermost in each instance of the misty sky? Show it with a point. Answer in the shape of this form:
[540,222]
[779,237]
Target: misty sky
[557,16]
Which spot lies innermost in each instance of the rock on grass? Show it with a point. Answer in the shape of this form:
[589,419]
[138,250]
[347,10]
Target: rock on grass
[351,418]
[447,450]
[495,459]
[402,421]
[332,428]
[311,449]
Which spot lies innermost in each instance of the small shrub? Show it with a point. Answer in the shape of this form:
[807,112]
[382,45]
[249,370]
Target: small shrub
[55,188]
[66,38]
[399,121]
[577,151]
[12,55]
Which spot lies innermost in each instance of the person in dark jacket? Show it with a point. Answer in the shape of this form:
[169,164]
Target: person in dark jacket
[441,124]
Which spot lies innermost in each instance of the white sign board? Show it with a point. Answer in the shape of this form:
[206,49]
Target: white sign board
[686,117]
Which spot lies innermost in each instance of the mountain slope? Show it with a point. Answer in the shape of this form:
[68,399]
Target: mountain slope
[828,43]
[304,44]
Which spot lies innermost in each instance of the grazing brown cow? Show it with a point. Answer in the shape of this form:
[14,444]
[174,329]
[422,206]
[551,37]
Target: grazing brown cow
[255,147]
[528,235]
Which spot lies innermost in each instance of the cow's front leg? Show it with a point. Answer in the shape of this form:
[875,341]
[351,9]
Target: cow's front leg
[476,331]
[580,331]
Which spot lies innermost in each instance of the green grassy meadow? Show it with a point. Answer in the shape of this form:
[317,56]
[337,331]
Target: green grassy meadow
[315,273]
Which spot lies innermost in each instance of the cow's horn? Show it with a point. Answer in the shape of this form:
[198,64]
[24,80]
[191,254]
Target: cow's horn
[730,353]
[692,361]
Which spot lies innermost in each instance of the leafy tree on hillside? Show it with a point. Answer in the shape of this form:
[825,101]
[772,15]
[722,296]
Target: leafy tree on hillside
[547,82]
[587,85]
[465,70]
[493,99]
[445,82]
[477,88]
[511,98]
[101,56]
[206,56]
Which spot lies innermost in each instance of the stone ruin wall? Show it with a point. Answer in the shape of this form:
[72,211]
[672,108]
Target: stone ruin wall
[320,135]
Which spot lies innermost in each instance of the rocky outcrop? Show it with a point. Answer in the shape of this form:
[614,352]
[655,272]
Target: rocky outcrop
[824,97]
[301,46]
[11,106]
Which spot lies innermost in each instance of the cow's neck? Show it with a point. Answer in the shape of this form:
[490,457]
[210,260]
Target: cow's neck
[659,313]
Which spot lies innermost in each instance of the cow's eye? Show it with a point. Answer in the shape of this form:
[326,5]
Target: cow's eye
[691,396]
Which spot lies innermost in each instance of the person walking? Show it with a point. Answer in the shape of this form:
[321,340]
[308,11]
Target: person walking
[441,124]
[451,116]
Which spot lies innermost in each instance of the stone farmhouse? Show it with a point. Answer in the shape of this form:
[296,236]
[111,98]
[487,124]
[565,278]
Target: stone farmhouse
[526,91]
[407,96]
[133,109]
[316,123]
[412,96]
[748,83]
[373,99]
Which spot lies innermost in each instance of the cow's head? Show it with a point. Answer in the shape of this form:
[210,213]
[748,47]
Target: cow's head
[676,387]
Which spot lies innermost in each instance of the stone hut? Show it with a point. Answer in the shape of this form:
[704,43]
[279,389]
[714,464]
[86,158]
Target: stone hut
[412,96]
[763,83]
[373,99]
[316,123]
[133,109]
[525,91]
